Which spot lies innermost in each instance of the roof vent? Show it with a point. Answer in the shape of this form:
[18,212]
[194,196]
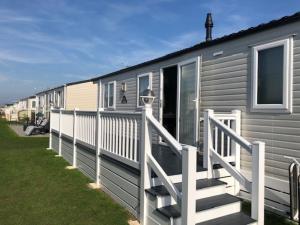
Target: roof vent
[209,25]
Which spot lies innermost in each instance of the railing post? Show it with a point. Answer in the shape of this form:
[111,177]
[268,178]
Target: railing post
[236,148]
[74,138]
[59,132]
[189,172]
[98,145]
[258,182]
[50,130]
[145,147]
[207,162]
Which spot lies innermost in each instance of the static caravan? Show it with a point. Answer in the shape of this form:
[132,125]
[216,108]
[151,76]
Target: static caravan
[31,107]
[10,112]
[26,108]
[54,97]
[231,104]
[22,109]
[81,95]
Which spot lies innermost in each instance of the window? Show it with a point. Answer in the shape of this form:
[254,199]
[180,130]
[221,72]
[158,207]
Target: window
[109,95]
[144,82]
[271,76]
[33,104]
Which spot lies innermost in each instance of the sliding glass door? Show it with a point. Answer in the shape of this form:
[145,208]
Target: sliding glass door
[187,131]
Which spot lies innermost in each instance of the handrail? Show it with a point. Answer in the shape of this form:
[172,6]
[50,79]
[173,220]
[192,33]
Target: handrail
[174,192]
[166,135]
[234,172]
[121,113]
[256,149]
[237,138]
[292,158]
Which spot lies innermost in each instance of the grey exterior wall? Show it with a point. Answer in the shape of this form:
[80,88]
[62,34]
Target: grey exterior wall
[225,85]
[86,161]
[122,183]
[55,142]
[67,149]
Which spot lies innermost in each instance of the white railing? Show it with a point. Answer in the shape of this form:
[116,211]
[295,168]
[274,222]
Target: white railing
[188,155]
[54,121]
[256,149]
[222,142]
[67,125]
[115,134]
[127,137]
[86,127]
[120,134]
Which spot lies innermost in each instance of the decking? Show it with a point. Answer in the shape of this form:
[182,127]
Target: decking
[122,152]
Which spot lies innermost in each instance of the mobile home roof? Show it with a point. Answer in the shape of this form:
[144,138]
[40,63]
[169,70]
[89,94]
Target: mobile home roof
[252,30]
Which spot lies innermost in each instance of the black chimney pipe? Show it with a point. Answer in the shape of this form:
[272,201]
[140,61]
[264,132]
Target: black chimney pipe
[209,25]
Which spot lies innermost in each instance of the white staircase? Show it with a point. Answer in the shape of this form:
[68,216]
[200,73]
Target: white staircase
[214,206]
[201,198]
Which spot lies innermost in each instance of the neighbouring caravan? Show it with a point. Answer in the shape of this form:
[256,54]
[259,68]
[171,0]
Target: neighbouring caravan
[26,108]
[54,97]
[251,77]
[81,95]
[10,112]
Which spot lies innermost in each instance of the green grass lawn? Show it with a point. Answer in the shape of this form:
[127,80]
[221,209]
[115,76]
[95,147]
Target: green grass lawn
[35,189]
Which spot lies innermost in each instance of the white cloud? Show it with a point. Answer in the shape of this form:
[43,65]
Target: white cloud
[182,41]
[3,78]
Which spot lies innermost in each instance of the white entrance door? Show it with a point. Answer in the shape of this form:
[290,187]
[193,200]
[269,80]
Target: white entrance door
[188,99]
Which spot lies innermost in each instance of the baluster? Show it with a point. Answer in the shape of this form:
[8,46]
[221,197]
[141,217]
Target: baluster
[113,135]
[216,138]
[131,140]
[127,139]
[110,134]
[222,141]
[123,138]
[107,134]
[120,136]
[135,141]
[104,132]
[117,136]
[228,140]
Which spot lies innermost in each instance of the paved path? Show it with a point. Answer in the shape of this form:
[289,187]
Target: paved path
[18,129]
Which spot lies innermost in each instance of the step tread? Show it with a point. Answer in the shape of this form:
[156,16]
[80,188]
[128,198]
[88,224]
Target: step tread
[200,184]
[233,219]
[201,205]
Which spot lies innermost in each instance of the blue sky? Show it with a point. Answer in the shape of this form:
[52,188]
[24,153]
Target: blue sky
[44,43]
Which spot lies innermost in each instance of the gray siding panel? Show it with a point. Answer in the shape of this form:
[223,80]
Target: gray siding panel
[86,161]
[121,183]
[55,142]
[225,86]
[67,150]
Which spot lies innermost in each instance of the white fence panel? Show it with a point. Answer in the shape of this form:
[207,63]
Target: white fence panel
[67,123]
[54,120]
[86,127]
[120,134]
[222,143]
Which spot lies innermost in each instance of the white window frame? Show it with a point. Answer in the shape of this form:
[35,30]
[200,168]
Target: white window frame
[286,106]
[138,86]
[114,95]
